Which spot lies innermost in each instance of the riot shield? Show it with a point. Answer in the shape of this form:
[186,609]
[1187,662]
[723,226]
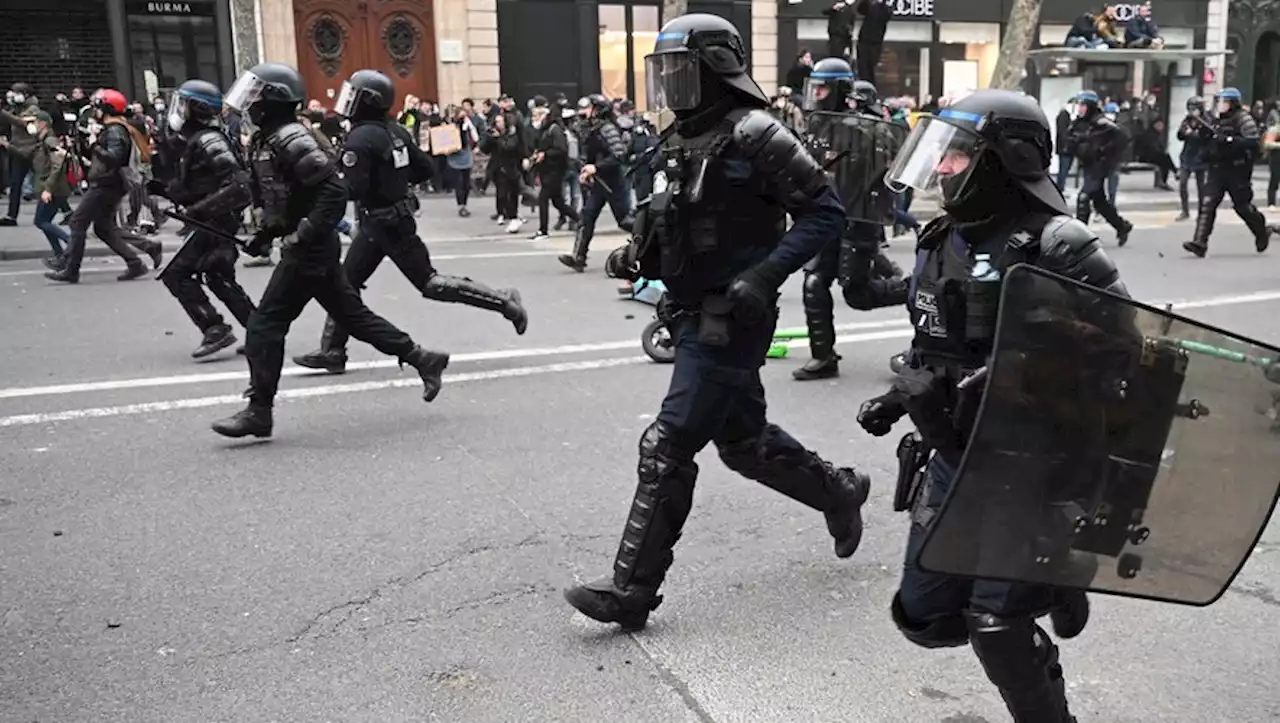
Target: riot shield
[857,150]
[1118,448]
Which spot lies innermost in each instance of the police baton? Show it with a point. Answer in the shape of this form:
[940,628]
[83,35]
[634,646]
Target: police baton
[201,225]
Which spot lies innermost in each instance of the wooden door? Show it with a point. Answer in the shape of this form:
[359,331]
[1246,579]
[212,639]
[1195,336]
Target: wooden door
[331,44]
[401,42]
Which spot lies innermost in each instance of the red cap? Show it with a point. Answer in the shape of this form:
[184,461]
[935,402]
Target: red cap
[111,98]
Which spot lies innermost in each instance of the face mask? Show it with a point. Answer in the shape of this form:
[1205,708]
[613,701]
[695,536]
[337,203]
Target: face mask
[160,107]
[32,129]
[537,124]
[19,98]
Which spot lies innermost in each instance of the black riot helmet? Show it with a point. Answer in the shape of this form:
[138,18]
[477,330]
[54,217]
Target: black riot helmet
[1195,104]
[697,60]
[865,95]
[267,91]
[978,152]
[1088,104]
[195,102]
[366,95]
[829,86]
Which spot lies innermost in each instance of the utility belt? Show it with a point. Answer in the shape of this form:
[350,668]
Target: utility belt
[404,208]
[714,315]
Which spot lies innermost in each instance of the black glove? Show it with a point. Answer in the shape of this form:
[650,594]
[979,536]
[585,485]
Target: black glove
[260,244]
[878,415]
[754,293]
[157,188]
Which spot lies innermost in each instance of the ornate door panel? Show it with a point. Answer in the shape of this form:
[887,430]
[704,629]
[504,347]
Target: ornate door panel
[331,44]
[402,43]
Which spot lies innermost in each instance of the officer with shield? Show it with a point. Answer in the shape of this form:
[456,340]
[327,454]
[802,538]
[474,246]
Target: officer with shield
[850,136]
[380,162]
[714,231]
[988,155]
[211,184]
[300,192]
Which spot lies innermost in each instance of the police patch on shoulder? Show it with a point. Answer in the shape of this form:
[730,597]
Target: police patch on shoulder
[349,158]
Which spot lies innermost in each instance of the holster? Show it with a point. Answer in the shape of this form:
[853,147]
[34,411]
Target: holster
[716,321]
[913,455]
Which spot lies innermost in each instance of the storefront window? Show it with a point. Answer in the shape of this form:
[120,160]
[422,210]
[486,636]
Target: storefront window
[627,34]
[613,50]
[169,50]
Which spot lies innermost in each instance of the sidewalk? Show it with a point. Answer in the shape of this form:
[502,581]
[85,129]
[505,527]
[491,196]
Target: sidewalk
[439,221]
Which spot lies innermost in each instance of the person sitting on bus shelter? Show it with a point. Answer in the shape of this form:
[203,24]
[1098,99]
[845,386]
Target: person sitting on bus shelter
[1142,31]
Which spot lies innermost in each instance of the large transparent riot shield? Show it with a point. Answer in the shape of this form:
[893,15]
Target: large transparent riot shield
[857,150]
[1118,448]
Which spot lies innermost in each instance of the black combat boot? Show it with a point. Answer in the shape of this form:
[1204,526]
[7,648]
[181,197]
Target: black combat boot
[827,368]
[1070,614]
[328,357]
[430,366]
[254,420]
[1199,248]
[658,513]
[132,272]
[216,338]
[1022,662]
[65,274]
[462,290]
[578,259]
[55,262]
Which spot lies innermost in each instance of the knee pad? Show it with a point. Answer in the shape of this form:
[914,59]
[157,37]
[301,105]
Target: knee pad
[661,452]
[1013,650]
[815,282]
[946,632]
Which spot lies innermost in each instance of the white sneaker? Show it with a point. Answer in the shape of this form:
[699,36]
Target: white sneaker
[514,226]
[502,220]
[540,236]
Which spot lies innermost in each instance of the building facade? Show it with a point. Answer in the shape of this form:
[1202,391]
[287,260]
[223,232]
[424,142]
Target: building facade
[143,47]
[937,47]
[1253,34]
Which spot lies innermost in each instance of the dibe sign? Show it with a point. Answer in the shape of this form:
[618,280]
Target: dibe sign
[912,8]
[1127,11]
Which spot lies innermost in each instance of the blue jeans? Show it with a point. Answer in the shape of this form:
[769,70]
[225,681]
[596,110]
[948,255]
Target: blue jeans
[1113,187]
[1076,41]
[1065,161]
[572,190]
[57,236]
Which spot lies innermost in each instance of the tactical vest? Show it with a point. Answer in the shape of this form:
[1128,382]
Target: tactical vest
[198,178]
[954,315]
[272,186]
[708,202]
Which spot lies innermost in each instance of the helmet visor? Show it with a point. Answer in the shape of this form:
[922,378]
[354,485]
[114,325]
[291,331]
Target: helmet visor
[348,97]
[673,81]
[936,152]
[177,111]
[816,90]
[246,91]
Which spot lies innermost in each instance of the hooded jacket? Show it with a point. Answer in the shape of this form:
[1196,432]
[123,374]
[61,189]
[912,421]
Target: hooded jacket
[22,142]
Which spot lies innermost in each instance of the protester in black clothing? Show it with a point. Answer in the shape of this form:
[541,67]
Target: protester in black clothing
[503,143]
[1149,147]
[839,30]
[1062,146]
[875,19]
[550,162]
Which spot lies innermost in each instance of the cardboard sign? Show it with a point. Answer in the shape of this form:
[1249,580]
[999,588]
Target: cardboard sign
[445,139]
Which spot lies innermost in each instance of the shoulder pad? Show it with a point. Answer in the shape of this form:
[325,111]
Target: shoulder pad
[299,152]
[752,131]
[1104,122]
[932,234]
[211,141]
[1068,231]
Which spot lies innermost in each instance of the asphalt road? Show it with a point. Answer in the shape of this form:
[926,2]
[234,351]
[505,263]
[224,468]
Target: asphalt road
[385,560]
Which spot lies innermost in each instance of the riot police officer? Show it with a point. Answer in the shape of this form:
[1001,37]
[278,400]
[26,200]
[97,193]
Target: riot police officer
[850,135]
[603,175]
[988,155]
[381,162]
[1230,152]
[1194,132]
[208,179]
[713,231]
[301,193]
[1097,142]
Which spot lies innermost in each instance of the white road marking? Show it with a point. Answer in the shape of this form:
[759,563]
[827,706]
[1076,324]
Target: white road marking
[114,268]
[118,384]
[24,420]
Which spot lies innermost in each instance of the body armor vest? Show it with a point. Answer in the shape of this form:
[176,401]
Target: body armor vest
[272,185]
[197,174]
[707,205]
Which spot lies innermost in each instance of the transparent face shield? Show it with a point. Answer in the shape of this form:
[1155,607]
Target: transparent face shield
[816,90]
[177,111]
[937,155]
[673,81]
[245,92]
[345,105]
